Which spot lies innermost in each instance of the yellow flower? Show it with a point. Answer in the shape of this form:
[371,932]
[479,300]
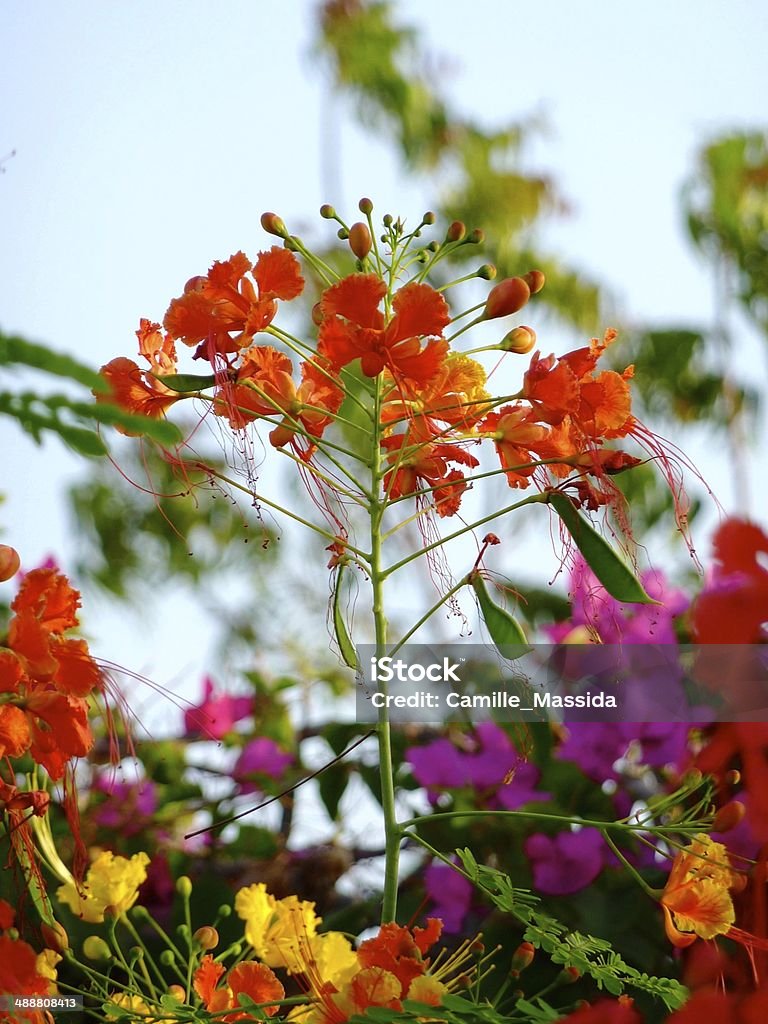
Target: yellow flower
[277,929]
[333,959]
[110,882]
[45,967]
[696,899]
[123,1001]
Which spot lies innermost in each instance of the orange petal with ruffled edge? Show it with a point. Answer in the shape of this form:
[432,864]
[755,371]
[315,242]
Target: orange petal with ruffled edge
[15,736]
[48,595]
[126,387]
[420,312]
[356,298]
[258,982]
[408,360]
[229,273]
[278,274]
[77,673]
[206,978]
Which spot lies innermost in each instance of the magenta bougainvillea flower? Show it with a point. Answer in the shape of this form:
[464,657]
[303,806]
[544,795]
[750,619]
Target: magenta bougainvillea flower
[217,714]
[490,760]
[261,756]
[567,862]
[451,895]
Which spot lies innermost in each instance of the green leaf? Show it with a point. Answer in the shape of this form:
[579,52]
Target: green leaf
[504,628]
[612,571]
[346,647]
[15,350]
[332,783]
[187,382]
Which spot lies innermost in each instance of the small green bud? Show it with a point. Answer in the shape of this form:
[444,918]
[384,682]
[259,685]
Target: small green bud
[95,948]
[167,958]
[184,886]
[343,234]
[487,272]
[365,206]
[273,225]
[429,217]
[434,247]
[327,212]
[224,910]
[387,220]
[476,237]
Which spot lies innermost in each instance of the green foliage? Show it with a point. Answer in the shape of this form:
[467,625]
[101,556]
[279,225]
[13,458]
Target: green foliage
[346,647]
[726,204]
[75,421]
[612,571]
[506,632]
[585,953]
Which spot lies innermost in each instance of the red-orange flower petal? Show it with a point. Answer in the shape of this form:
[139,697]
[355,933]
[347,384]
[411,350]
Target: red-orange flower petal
[278,274]
[420,311]
[258,982]
[356,298]
[206,978]
[48,594]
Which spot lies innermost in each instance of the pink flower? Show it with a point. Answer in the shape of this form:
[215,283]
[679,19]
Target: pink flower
[217,714]
[261,756]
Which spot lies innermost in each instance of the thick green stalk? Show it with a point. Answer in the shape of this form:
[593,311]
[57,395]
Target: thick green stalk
[392,833]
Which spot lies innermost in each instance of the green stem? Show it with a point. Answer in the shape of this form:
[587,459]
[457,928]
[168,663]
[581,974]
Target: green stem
[392,831]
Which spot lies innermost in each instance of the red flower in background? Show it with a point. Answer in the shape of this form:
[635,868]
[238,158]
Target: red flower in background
[733,609]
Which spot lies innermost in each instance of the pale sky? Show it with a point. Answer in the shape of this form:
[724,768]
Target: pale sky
[150,137]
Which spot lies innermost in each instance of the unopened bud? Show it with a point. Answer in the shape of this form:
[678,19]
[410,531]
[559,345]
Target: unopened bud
[207,937]
[428,218]
[177,992]
[55,936]
[728,817]
[434,247]
[327,212]
[365,206]
[456,231]
[569,975]
[360,240]
[343,234]
[224,910]
[520,340]
[184,886]
[506,297]
[273,225]
[523,956]
[476,237]
[535,280]
[387,220]
[167,957]
[487,272]
[195,284]
[10,563]
[95,948]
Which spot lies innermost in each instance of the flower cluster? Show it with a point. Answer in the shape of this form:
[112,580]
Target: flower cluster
[378,324]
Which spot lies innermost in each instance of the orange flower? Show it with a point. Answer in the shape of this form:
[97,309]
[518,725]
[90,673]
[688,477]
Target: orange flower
[249,978]
[417,461]
[19,976]
[455,395]
[134,390]
[520,440]
[353,327]
[696,899]
[226,302]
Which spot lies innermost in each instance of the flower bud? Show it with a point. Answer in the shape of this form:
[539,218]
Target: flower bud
[365,206]
[273,225]
[10,563]
[520,340]
[224,910]
[327,212]
[476,237]
[428,218]
[728,817]
[569,975]
[207,937]
[177,992]
[506,297]
[167,958]
[95,948]
[184,886]
[535,280]
[487,272]
[343,234]
[360,240]
[434,247]
[456,231]
[387,220]
[55,936]
[523,956]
